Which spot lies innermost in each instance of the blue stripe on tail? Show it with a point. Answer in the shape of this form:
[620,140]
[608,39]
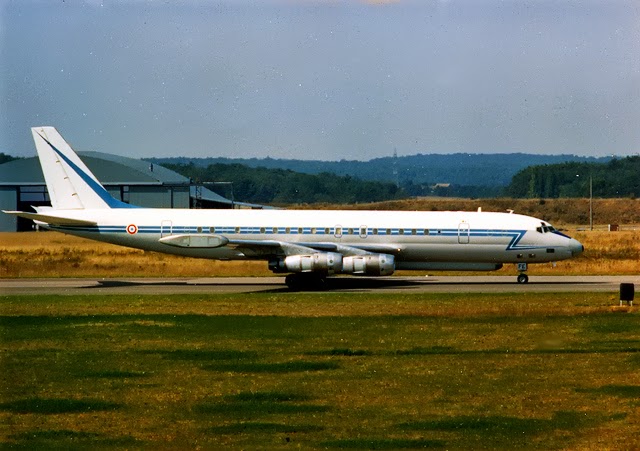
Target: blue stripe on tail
[96,187]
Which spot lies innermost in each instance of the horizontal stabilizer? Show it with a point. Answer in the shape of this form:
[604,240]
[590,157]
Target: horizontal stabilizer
[51,219]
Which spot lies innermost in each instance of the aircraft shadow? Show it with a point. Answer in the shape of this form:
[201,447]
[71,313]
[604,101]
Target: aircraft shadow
[129,283]
[355,284]
[434,282]
[332,284]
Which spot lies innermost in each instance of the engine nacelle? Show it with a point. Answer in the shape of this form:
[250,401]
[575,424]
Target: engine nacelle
[369,265]
[324,262]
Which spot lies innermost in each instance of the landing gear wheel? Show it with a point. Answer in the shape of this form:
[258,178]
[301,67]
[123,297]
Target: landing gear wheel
[523,278]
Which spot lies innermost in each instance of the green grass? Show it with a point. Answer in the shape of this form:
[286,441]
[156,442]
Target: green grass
[319,370]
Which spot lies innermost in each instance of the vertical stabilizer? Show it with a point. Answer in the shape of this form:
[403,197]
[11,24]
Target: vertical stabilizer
[70,183]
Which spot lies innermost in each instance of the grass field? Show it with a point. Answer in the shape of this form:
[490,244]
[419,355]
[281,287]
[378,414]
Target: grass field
[323,370]
[51,254]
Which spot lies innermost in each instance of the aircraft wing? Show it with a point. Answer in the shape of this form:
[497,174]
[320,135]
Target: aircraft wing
[355,249]
[257,248]
[51,219]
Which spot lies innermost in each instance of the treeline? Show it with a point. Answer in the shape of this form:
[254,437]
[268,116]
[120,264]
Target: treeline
[617,178]
[411,170]
[280,186]
[614,179]
[452,190]
[4,158]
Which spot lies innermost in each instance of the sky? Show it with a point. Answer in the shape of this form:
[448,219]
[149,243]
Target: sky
[322,79]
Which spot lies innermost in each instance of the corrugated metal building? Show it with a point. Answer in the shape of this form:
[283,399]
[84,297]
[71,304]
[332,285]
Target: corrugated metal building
[129,180]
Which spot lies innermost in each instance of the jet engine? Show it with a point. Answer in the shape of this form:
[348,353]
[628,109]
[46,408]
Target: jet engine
[324,262]
[369,264]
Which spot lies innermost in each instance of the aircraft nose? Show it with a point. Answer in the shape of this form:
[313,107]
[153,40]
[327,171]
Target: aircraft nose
[576,247]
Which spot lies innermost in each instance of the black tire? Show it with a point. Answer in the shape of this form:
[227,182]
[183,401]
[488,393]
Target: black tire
[523,278]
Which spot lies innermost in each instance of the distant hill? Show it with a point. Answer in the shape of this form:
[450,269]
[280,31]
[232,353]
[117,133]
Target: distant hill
[480,170]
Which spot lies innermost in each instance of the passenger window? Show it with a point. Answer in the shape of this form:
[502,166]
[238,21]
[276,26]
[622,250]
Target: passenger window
[199,229]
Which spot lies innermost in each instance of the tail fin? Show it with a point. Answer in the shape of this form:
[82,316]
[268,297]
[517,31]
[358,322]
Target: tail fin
[70,183]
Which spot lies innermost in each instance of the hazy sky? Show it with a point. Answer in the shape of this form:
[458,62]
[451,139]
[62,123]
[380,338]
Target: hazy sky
[316,79]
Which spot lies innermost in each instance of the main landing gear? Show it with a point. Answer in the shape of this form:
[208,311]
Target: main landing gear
[306,281]
[522,277]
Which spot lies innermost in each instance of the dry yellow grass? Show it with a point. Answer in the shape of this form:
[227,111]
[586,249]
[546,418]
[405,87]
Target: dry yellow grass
[50,254]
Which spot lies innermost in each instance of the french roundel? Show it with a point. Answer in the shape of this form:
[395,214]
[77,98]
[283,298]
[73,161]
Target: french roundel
[132,229]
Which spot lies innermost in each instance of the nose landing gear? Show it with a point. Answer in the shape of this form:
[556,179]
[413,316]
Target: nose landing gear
[522,277]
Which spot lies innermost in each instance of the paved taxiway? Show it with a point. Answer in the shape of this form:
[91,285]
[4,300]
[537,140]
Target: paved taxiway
[431,284]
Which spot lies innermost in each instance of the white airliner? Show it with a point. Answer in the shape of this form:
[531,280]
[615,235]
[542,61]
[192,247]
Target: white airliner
[309,245]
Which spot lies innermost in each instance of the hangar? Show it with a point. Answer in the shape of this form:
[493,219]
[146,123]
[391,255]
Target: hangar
[133,181]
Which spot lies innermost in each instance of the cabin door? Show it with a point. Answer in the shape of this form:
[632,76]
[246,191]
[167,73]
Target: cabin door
[463,233]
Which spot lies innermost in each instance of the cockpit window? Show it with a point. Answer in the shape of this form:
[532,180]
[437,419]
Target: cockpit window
[545,229]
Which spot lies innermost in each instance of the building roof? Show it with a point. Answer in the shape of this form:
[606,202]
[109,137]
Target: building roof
[112,170]
[208,195]
[109,169]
